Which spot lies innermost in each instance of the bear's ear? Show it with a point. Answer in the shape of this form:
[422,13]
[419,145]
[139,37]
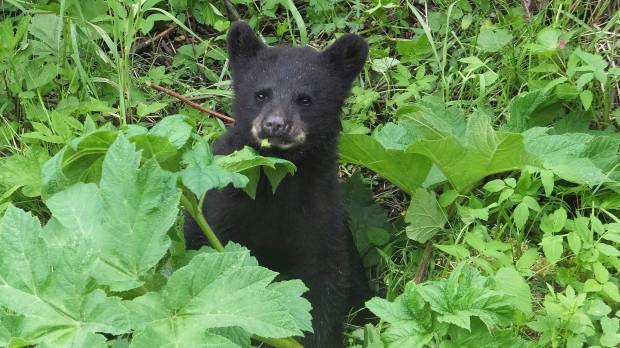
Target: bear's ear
[243,44]
[347,55]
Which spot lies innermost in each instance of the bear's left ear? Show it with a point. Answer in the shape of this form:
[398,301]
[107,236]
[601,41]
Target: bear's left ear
[243,44]
[348,55]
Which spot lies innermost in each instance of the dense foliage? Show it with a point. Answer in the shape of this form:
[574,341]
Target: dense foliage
[480,166]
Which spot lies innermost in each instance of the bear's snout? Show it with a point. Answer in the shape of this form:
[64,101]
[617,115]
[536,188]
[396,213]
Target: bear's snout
[275,125]
[279,130]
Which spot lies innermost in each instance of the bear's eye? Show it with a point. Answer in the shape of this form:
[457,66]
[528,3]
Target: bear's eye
[261,96]
[304,100]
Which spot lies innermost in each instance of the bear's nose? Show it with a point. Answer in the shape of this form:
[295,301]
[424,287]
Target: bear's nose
[275,125]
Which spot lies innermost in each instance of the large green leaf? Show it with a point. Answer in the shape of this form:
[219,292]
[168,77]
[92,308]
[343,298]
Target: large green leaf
[405,170]
[50,285]
[576,157]
[127,218]
[466,294]
[220,290]
[483,152]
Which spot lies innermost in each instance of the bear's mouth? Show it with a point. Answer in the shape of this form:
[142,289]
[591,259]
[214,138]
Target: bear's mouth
[283,142]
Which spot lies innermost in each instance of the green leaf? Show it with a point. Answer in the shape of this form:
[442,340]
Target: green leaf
[522,108]
[567,155]
[466,294]
[554,222]
[586,98]
[546,177]
[611,336]
[367,220]
[484,152]
[520,216]
[201,175]
[24,171]
[424,216]
[174,128]
[249,163]
[493,40]
[53,289]
[405,170]
[553,248]
[607,250]
[494,185]
[227,290]
[512,283]
[145,110]
[127,219]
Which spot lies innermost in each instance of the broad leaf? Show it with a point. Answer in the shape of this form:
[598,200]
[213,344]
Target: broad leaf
[127,218]
[405,170]
[220,290]
[52,288]
[201,175]
[483,152]
[424,216]
[249,163]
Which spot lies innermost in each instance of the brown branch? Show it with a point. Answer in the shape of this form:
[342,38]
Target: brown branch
[420,274]
[140,46]
[185,100]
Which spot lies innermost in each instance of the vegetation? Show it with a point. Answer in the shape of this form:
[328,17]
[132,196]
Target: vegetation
[480,166]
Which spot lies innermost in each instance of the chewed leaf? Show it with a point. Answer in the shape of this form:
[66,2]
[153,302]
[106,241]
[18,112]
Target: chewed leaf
[248,162]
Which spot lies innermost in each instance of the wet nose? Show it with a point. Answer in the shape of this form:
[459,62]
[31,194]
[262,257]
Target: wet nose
[275,125]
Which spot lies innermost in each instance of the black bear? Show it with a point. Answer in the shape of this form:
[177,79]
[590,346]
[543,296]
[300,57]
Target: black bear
[292,96]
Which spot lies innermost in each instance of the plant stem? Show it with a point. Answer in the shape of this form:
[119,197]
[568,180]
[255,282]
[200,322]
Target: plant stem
[280,342]
[192,209]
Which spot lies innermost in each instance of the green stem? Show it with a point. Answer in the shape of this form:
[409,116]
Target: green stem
[193,207]
[194,211]
[280,342]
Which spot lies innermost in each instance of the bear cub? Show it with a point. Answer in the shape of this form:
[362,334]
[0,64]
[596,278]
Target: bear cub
[292,97]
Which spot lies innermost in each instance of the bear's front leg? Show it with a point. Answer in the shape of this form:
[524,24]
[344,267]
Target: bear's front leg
[328,278]
[328,296]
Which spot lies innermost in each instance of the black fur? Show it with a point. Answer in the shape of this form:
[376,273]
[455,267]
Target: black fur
[300,231]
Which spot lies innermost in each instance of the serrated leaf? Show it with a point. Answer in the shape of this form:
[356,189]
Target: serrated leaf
[546,177]
[424,216]
[554,222]
[484,152]
[174,128]
[466,294]
[201,175]
[553,248]
[51,287]
[512,283]
[228,289]
[249,163]
[126,220]
[520,216]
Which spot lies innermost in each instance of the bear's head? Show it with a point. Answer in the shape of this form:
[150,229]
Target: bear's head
[287,100]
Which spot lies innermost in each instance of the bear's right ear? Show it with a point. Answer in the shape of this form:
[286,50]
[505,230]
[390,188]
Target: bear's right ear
[243,44]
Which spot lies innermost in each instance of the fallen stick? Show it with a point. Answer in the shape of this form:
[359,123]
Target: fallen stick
[187,101]
[140,46]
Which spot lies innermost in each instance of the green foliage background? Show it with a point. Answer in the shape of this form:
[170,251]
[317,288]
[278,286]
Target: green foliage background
[479,158]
